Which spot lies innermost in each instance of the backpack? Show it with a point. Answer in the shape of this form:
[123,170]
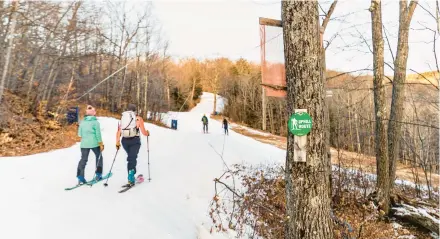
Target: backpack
[128,124]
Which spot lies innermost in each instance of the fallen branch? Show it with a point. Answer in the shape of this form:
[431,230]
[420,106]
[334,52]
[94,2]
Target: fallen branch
[416,216]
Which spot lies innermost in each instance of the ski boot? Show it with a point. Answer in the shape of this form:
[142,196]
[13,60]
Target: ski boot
[140,178]
[81,180]
[131,179]
[98,176]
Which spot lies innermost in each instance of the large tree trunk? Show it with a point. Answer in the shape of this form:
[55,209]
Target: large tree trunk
[382,165]
[9,49]
[396,115]
[326,101]
[307,187]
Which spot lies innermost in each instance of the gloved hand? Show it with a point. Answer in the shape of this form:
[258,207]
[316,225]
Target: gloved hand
[118,145]
[101,146]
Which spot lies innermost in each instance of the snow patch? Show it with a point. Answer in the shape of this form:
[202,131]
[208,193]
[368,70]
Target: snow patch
[407,237]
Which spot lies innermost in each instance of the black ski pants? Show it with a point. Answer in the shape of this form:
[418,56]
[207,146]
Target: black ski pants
[85,157]
[131,146]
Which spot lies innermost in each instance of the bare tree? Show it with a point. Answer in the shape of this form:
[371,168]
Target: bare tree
[11,21]
[382,164]
[396,114]
[307,187]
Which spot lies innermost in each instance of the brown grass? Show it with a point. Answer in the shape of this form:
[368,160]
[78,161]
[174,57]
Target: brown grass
[22,134]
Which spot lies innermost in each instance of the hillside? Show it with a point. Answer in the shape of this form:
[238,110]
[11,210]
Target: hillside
[23,132]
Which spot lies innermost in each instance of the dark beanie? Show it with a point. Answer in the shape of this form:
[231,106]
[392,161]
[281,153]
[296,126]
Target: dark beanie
[131,107]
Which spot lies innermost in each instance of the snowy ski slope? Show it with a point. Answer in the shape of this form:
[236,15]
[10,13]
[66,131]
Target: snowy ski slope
[34,205]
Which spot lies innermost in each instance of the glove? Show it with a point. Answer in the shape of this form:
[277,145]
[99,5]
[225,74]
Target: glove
[118,145]
[101,146]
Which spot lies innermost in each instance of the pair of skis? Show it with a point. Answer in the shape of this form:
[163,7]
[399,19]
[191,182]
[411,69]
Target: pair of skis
[139,180]
[90,183]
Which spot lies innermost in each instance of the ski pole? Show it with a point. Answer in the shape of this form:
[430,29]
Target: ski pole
[105,184]
[148,154]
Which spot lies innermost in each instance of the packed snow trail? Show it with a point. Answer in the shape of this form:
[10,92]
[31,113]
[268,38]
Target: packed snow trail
[175,204]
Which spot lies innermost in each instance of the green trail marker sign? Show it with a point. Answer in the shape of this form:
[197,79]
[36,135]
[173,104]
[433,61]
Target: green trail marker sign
[300,123]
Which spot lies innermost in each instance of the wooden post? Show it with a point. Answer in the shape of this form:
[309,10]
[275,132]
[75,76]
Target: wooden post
[263,66]
[270,22]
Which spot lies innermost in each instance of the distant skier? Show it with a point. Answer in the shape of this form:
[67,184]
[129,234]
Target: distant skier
[129,127]
[90,132]
[205,123]
[225,126]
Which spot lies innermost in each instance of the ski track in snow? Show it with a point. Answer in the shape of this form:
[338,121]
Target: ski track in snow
[175,204]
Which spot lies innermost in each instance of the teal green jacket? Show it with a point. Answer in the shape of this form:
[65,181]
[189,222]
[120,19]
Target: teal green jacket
[90,132]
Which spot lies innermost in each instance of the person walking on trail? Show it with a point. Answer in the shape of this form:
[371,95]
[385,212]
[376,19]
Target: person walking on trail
[225,126]
[205,124]
[129,127]
[90,132]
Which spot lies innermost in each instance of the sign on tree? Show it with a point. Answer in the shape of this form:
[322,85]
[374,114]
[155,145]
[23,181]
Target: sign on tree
[300,123]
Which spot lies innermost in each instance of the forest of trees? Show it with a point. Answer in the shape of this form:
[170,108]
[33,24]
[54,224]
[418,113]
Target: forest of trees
[55,53]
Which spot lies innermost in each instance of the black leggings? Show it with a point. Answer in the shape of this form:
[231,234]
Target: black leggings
[131,146]
[85,157]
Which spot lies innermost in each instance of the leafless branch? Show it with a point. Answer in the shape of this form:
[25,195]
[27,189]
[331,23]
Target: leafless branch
[252,202]
[388,42]
[329,14]
[365,41]
[424,77]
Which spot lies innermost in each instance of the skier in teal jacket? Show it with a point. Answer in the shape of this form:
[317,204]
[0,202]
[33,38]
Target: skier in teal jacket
[90,132]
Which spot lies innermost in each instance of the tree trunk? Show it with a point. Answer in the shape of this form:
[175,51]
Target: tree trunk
[272,127]
[356,124]
[382,186]
[264,104]
[45,85]
[54,78]
[215,101]
[122,90]
[31,80]
[307,187]
[138,80]
[396,115]
[145,96]
[215,92]
[9,49]
[192,91]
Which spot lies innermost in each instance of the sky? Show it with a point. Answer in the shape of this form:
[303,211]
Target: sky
[210,29]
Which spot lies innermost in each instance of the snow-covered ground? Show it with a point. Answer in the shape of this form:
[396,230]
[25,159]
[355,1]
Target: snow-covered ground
[34,204]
